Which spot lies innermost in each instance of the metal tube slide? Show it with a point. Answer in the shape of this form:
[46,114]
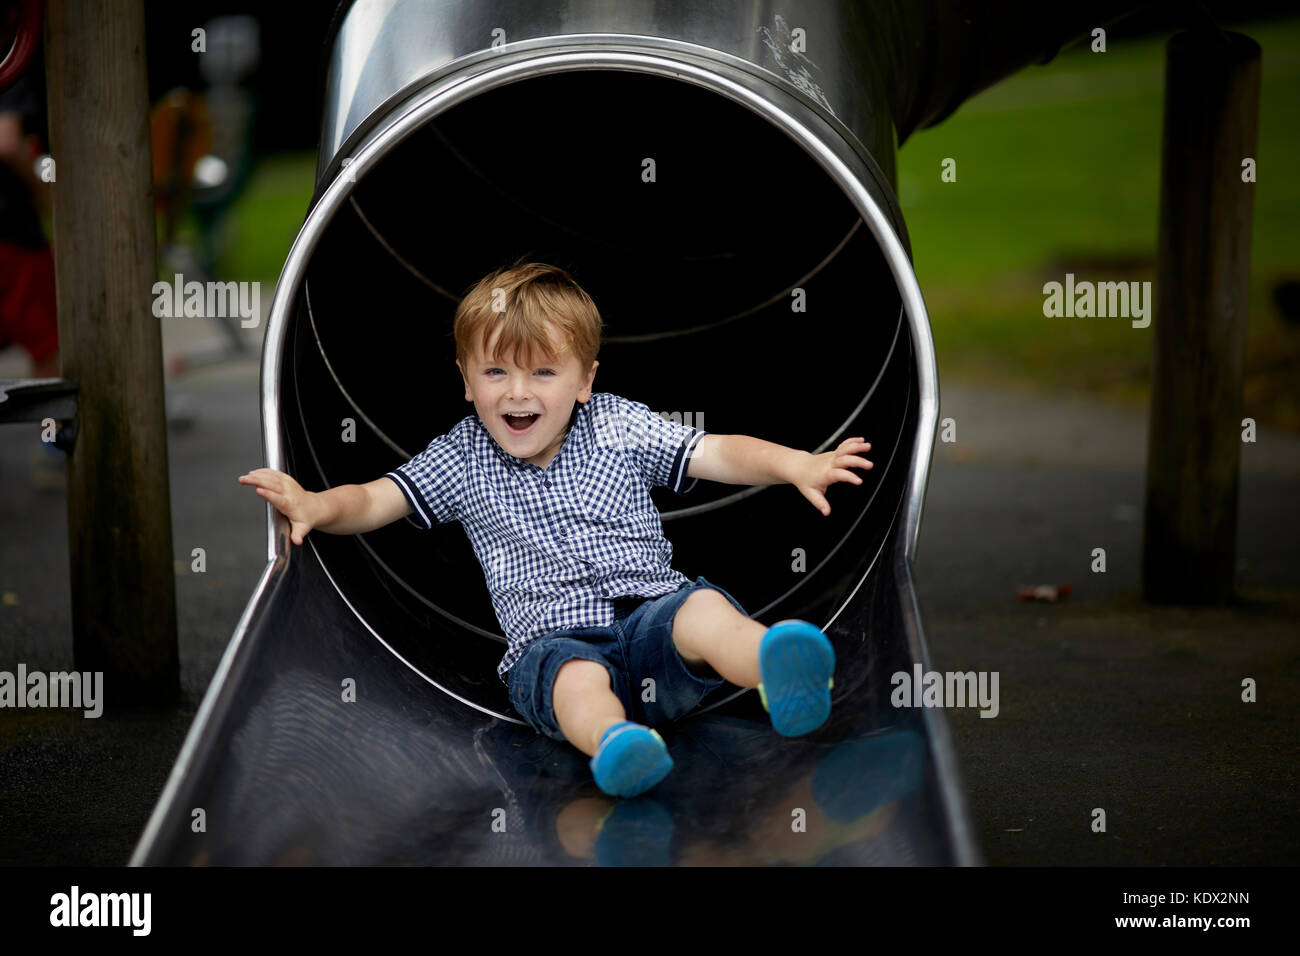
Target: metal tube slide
[760,285]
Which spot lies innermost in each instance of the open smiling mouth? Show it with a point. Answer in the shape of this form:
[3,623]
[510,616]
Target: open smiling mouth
[521,424]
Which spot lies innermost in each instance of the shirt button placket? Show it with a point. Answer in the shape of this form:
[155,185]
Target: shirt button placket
[546,483]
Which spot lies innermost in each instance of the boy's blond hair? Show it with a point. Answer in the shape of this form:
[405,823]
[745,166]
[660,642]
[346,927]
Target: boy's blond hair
[532,294]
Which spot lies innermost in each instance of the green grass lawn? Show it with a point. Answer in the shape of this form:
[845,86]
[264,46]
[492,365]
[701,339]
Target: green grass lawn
[262,224]
[1058,170]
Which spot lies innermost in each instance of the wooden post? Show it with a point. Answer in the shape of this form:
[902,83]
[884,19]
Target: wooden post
[1203,266]
[119,511]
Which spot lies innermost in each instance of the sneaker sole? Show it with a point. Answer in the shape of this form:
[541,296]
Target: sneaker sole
[797,664]
[636,763]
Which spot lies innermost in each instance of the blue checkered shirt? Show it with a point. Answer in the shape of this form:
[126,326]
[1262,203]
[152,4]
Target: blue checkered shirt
[558,545]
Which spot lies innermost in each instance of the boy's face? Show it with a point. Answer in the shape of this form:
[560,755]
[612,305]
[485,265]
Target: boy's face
[545,392]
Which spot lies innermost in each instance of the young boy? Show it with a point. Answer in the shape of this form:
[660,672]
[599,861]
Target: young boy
[551,483]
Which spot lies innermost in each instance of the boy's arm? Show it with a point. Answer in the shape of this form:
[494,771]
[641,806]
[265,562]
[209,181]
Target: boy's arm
[351,509]
[742,460]
[346,509]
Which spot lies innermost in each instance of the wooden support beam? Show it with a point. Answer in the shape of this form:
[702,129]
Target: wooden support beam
[119,507]
[1211,123]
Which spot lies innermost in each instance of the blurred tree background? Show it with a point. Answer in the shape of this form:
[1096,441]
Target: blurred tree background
[1057,171]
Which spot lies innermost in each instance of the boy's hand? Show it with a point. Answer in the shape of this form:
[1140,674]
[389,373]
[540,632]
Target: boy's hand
[822,471]
[287,497]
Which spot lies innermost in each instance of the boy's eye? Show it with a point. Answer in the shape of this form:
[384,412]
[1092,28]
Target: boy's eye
[546,371]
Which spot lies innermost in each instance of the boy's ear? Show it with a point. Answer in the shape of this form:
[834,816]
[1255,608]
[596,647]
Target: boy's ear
[465,379]
[585,392]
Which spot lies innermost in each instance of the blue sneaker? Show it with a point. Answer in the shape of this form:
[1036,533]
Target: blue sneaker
[797,664]
[630,760]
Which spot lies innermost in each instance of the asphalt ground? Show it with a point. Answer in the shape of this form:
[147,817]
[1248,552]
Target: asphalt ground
[1105,702]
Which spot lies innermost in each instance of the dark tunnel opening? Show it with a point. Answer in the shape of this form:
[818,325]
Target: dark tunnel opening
[698,275]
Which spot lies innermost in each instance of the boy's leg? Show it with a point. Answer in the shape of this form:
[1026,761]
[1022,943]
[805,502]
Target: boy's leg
[585,706]
[709,632]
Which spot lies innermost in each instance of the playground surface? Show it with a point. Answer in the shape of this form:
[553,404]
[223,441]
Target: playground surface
[1105,702]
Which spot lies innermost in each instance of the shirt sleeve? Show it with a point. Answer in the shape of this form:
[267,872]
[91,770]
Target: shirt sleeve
[659,448]
[432,480]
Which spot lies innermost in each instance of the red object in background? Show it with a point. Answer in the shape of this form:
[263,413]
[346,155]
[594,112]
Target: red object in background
[1044,592]
[20,31]
[28,301]
[28,310]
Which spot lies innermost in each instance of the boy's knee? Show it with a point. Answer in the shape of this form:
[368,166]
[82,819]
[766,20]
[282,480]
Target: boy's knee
[706,600]
[582,673]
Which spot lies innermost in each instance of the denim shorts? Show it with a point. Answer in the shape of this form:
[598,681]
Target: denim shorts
[636,646]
